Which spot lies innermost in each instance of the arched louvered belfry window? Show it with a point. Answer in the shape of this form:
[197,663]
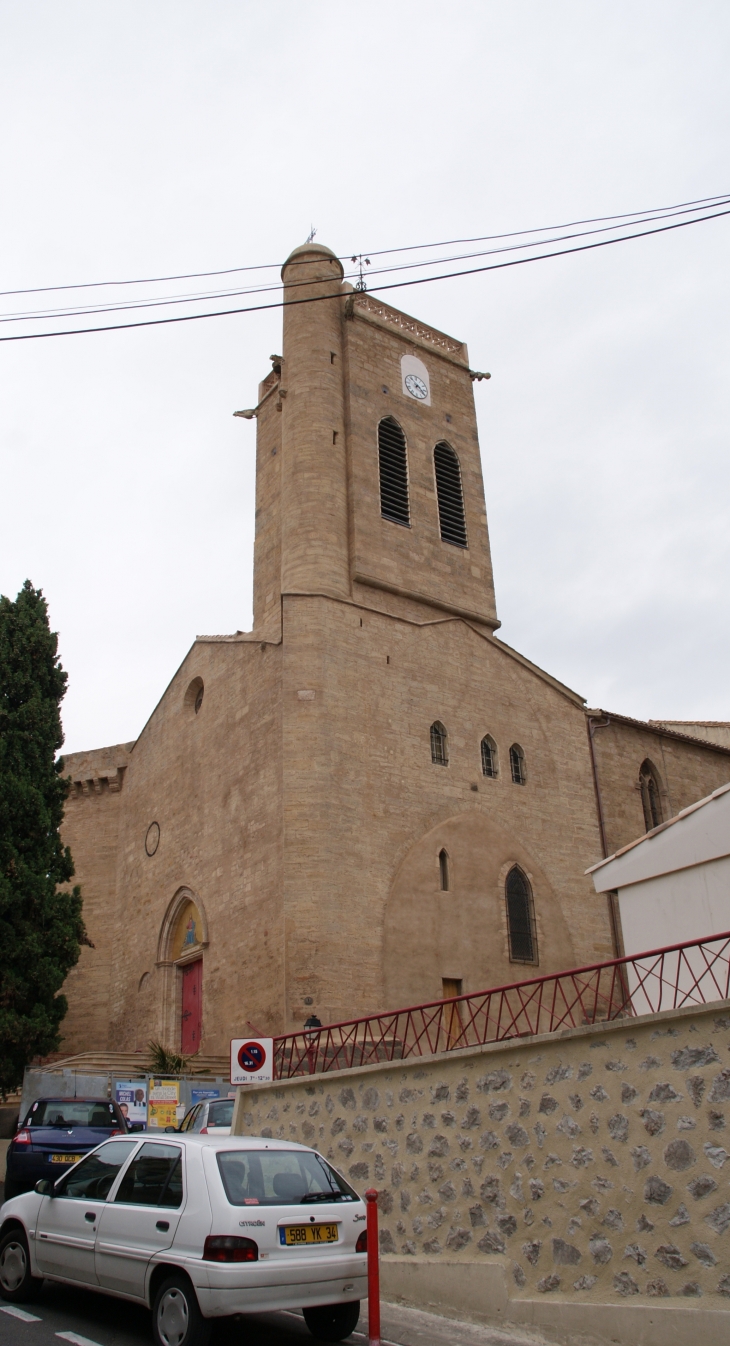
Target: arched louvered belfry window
[439,744]
[450,496]
[520,918]
[651,797]
[393,463]
[490,766]
[517,764]
[444,871]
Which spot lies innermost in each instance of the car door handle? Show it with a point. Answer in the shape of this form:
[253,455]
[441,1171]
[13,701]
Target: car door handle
[164,1225]
[90,1216]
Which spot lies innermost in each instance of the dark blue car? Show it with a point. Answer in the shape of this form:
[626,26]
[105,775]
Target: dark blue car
[56,1132]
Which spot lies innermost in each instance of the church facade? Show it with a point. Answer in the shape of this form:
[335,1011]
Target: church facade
[369,800]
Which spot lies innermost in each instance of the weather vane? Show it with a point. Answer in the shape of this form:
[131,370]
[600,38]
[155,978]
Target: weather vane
[362,261]
[311,234]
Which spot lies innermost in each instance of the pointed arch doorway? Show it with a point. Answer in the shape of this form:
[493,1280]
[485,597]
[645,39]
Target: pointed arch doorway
[183,940]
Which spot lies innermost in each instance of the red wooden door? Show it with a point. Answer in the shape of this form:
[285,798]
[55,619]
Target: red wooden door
[192,1007]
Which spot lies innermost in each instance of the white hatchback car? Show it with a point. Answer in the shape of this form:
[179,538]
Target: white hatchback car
[185,1223]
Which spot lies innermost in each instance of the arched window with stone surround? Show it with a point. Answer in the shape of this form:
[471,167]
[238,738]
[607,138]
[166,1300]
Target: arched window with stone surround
[439,744]
[450,496]
[393,466]
[520,917]
[517,764]
[651,795]
[490,764]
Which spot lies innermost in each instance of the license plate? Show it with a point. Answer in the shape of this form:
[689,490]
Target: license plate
[65,1158]
[292,1234]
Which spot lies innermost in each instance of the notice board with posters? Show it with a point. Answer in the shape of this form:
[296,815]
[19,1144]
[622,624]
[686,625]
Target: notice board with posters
[202,1095]
[131,1095]
[164,1101]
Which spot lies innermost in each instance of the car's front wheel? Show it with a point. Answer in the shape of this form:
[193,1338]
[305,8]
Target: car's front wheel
[16,1283]
[333,1322]
[176,1316]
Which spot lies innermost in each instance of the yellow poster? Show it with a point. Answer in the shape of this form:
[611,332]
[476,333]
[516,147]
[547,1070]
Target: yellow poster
[164,1098]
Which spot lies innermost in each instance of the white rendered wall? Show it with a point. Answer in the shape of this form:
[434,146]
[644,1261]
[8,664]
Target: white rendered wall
[683,905]
[673,908]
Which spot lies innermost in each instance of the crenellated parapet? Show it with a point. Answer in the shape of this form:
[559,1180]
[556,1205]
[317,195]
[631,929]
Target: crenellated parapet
[100,771]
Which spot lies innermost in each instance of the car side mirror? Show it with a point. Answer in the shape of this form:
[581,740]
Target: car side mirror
[44,1187]
[168,1129]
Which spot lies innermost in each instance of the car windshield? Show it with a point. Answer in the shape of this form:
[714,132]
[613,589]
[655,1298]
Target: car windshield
[68,1112]
[280,1178]
[221,1114]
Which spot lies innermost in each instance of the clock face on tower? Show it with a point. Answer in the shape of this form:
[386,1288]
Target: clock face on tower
[415,379]
[416,386]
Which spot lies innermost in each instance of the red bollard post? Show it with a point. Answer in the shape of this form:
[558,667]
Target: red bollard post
[371,1198]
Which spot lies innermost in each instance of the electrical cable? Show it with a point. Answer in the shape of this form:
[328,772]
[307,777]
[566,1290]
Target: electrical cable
[415,247]
[204,296]
[376,289]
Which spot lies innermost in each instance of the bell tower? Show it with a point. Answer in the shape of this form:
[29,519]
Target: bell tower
[355,371]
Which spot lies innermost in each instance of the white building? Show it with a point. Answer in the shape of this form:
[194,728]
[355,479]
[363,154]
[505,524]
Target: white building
[673,884]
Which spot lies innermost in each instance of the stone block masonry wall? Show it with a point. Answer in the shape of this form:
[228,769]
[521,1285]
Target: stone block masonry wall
[91,829]
[592,1166]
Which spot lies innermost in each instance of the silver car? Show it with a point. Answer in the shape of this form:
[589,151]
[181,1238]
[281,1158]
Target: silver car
[197,1227]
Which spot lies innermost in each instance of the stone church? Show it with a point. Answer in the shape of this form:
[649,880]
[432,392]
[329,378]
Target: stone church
[369,800]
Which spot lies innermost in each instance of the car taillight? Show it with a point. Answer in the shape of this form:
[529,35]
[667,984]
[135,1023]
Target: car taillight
[362,1242]
[230,1248]
[203,1131]
[23,1137]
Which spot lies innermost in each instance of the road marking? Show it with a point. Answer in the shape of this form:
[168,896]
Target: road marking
[19,1313]
[76,1339]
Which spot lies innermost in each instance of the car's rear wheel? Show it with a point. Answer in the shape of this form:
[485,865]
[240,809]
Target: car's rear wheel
[333,1322]
[16,1283]
[176,1316]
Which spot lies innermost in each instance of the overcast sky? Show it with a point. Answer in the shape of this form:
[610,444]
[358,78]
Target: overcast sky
[146,139]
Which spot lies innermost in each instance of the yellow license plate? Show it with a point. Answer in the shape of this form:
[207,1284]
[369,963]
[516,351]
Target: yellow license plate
[65,1158]
[293,1234]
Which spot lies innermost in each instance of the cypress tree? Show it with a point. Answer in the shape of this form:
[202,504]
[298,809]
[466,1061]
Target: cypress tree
[40,920]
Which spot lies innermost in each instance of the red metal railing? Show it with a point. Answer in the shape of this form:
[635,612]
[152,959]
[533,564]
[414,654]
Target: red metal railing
[694,973]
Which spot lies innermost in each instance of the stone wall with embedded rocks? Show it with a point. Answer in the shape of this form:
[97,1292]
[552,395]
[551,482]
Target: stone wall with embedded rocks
[591,1165]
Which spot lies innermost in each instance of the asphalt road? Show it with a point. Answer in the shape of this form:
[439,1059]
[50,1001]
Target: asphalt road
[65,1314]
[85,1318]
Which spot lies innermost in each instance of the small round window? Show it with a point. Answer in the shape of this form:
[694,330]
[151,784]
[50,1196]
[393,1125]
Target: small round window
[194,696]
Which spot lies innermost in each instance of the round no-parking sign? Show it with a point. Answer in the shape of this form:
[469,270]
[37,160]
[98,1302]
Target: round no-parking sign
[252,1057]
[252,1060]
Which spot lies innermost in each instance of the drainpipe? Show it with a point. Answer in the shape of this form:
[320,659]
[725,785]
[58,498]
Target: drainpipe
[613,908]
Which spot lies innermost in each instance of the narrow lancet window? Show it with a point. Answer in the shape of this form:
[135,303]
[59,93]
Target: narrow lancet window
[439,744]
[517,764]
[444,871]
[520,919]
[651,798]
[393,461]
[489,756]
[450,496]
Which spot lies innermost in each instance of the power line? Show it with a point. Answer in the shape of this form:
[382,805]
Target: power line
[414,247]
[204,296]
[376,289]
